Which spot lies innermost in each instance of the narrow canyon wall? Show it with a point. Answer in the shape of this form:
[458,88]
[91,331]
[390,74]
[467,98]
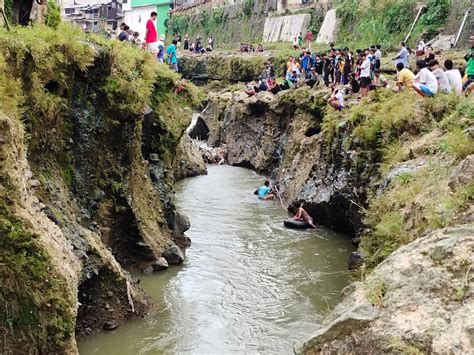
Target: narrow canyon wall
[87,146]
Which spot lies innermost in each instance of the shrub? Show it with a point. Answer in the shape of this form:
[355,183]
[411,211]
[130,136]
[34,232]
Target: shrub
[435,16]
[248,7]
[53,15]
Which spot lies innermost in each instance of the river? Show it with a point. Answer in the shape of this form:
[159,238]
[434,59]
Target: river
[247,285]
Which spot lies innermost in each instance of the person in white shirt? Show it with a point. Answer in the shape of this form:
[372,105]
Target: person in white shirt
[364,75]
[454,76]
[337,99]
[420,48]
[425,83]
[443,83]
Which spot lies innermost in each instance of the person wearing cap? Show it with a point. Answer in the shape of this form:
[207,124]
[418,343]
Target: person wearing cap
[161,49]
[151,36]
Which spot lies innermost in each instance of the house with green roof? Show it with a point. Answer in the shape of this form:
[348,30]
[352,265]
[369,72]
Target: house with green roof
[137,13]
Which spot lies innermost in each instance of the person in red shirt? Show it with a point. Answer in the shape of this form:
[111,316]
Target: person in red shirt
[151,37]
[309,38]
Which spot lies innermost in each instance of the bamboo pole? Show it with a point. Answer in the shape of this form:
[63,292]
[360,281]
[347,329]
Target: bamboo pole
[462,26]
[414,23]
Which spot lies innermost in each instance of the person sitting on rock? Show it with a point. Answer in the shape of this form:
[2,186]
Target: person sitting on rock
[312,78]
[265,192]
[379,81]
[337,99]
[249,90]
[273,86]
[353,85]
[294,78]
[302,215]
[261,85]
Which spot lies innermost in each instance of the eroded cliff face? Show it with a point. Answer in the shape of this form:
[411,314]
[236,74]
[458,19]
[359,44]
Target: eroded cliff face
[394,171]
[419,300]
[88,140]
[281,136]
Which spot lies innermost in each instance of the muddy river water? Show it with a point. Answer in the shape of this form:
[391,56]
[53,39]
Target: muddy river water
[248,284]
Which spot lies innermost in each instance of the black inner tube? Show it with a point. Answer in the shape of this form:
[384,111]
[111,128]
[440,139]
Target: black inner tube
[293,224]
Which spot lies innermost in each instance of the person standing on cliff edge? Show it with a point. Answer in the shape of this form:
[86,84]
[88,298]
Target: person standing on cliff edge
[172,57]
[309,38]
[151,36]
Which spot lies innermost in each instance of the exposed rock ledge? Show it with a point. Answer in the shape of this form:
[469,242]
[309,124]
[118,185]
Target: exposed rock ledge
[419,298]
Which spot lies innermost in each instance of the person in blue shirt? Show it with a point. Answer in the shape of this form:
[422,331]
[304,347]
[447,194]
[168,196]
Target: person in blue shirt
[265,192]
[172,58]
[403,56]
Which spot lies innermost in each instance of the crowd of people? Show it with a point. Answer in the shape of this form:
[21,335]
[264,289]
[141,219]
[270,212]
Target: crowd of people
[347,72]
[151,42]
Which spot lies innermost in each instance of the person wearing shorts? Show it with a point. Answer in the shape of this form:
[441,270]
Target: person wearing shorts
[425,82]
[151,36]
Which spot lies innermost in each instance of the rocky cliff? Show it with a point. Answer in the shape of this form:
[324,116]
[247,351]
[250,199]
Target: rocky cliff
[388,171]
[89,131]
[417,301]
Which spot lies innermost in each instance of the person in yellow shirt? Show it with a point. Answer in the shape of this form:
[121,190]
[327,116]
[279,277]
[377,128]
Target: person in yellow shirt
[405,78]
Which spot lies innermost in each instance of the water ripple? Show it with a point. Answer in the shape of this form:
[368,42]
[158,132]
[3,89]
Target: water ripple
[248,285]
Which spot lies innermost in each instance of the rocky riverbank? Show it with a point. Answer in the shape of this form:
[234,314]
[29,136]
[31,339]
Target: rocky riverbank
[90,145]
[385,175]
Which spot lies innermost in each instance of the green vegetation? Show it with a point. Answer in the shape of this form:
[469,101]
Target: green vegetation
[36,312]
[387,22]
[43,73]
[375,292]
[228,31]
[418,200]
[53,15]
[7,6]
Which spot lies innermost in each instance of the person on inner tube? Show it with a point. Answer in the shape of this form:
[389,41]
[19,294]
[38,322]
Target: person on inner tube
[265,192]
[302,215]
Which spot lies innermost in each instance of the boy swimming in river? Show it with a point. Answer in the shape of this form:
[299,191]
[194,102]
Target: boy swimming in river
[265,192]
[302,215]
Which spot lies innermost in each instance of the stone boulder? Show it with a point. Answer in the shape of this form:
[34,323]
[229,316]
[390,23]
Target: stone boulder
[188,160]
[463,173]
[173,255]
[421,298]
[181,222]
[160,264]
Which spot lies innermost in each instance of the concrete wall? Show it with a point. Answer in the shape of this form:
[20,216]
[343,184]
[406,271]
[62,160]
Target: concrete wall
[284,28]
[328,31]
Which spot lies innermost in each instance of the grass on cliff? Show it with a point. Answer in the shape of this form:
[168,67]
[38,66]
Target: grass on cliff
[39,68]
[387,22]
[36,313]
[388,129]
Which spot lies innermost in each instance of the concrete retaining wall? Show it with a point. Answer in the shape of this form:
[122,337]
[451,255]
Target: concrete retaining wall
[328,31]
[284,28]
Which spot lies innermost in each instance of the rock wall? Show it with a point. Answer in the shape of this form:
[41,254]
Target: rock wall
[419,300]
[280,135]
[85,184]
